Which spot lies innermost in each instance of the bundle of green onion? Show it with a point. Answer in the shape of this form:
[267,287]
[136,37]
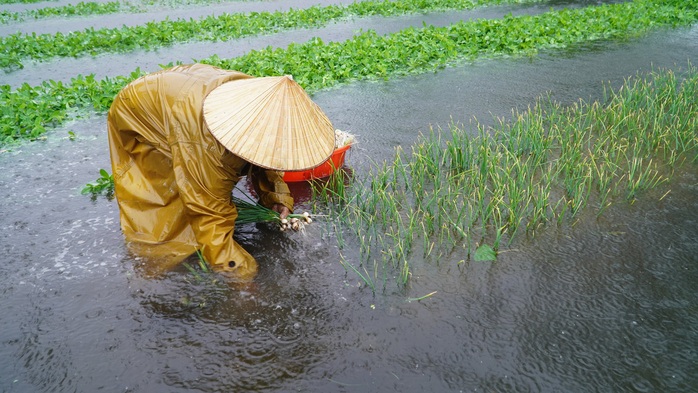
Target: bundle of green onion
[252,212]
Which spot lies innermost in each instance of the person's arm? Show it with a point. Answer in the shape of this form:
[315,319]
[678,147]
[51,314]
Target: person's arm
[205,185]
[273,192]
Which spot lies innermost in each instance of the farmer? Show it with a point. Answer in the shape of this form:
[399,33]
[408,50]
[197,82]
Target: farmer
[180,139]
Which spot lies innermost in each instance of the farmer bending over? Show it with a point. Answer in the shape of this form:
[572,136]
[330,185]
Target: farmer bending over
[180,139]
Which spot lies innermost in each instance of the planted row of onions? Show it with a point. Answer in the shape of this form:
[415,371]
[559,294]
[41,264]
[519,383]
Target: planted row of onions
[153,35]
[27,111]
[456,191]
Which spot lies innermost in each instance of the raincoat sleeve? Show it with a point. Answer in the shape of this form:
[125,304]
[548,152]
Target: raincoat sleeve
[205,182]
[271,188]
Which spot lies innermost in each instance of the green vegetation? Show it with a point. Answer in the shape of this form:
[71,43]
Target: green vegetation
[459,193]
[22,1]
[29,110]
[317,65]
[87,8]
[250,211]
[81,8]
[204,271]
[104,185]
[154,35]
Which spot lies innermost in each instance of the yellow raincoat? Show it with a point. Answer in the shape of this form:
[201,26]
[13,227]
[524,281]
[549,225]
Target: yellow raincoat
[173,180]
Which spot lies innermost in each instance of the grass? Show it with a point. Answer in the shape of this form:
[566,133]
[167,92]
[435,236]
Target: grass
[473,191]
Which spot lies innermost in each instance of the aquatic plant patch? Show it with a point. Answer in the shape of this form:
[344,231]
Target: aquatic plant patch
[27,111]
[473,195]
[152,35]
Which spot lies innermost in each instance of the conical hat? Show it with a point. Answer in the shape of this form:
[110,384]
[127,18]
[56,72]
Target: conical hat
[270,122]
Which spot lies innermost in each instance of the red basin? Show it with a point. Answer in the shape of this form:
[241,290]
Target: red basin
[325,169]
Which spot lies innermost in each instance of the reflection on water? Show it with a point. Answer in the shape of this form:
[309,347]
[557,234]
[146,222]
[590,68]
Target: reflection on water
[606,304]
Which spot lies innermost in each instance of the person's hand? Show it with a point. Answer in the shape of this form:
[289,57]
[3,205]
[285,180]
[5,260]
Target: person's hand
[281,209]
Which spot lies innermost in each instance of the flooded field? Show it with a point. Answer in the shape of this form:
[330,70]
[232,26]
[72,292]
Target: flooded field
[606,304]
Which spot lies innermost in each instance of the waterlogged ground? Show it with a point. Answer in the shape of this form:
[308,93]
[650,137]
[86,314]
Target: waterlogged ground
[607,304]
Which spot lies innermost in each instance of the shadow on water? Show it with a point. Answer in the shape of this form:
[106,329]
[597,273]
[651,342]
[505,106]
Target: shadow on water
[605,305]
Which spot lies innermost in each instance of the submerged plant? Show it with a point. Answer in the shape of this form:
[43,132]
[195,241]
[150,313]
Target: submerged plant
[204,268]
[485,253]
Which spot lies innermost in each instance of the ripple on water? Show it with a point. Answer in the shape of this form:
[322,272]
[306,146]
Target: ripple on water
[240,338]
[641,384]
[605,305]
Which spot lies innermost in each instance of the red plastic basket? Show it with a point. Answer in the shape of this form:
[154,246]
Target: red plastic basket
[325,169]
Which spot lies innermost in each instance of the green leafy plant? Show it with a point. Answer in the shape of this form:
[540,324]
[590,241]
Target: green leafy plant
[21,1]
[81,8]
[104,185]
[485,253]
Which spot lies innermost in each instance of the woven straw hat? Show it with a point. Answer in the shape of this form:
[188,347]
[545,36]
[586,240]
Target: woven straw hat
[270,122]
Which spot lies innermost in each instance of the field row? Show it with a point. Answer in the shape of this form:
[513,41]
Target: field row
[29,110]
[152,35]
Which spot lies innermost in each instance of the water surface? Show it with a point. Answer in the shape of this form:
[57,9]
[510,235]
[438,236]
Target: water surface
[607,304]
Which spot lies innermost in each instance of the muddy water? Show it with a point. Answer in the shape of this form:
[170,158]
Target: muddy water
[605,305]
